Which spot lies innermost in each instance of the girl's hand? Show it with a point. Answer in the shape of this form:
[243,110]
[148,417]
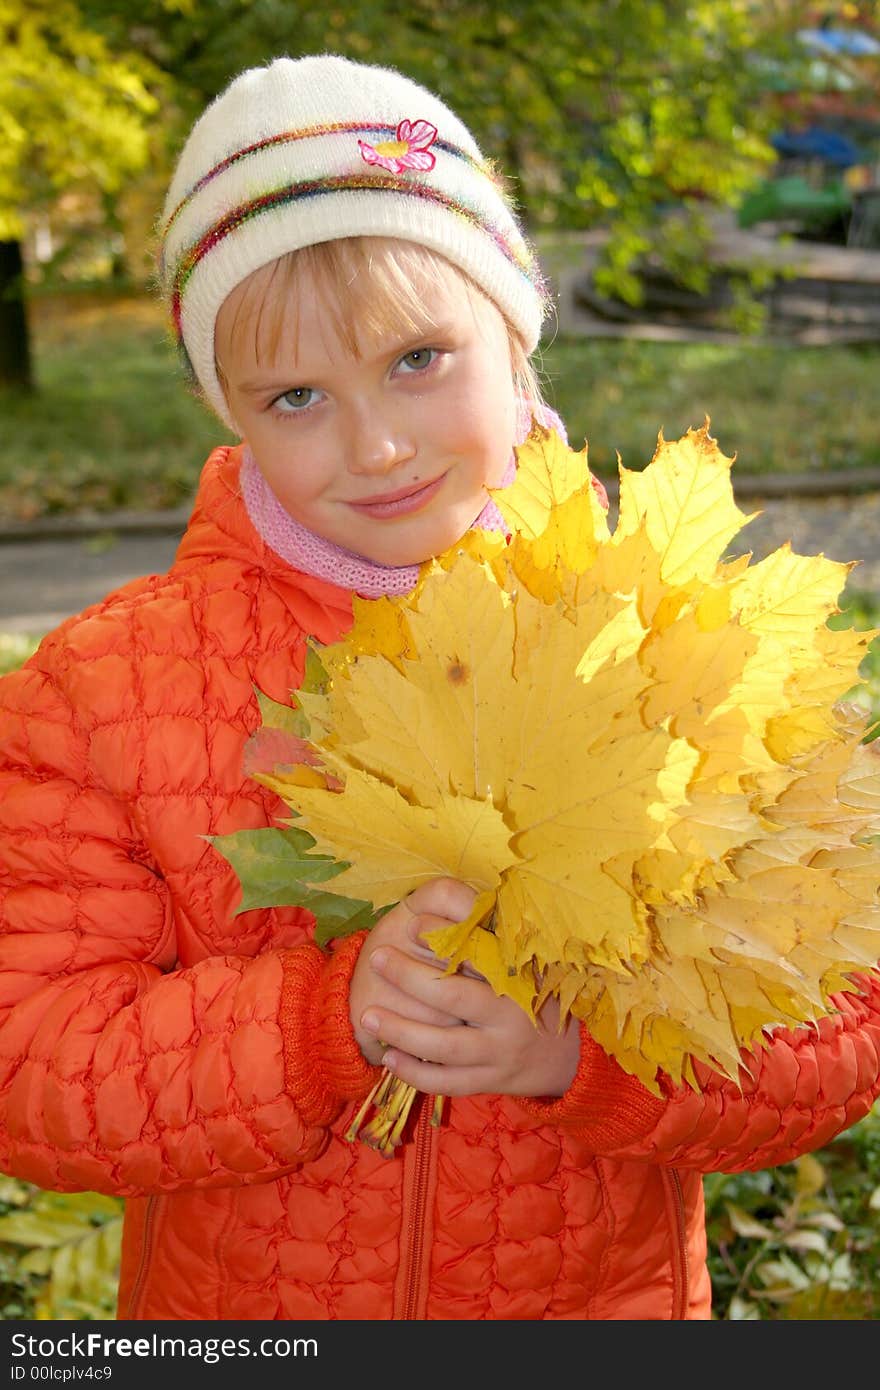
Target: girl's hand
[452,1035]
[444,900]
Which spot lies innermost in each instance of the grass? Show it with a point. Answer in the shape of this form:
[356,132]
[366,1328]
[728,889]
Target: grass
[15,648]
[779,409]
[112,424]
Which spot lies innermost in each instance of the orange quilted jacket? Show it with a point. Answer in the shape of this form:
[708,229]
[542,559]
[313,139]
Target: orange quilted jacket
[153,1044]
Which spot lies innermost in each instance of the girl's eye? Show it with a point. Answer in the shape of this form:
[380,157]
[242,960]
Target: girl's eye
[418,359]
[299,399]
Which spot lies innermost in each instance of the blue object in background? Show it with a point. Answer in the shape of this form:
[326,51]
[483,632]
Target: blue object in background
[853,43]
[816,143]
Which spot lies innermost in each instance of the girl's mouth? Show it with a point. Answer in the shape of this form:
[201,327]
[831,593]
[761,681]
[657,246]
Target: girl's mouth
[400,502]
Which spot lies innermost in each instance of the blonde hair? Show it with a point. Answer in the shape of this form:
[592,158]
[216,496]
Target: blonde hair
[370,285]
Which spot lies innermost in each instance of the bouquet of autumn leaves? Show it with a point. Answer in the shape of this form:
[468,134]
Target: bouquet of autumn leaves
[635,750]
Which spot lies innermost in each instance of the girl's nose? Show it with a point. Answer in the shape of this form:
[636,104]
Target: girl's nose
[377,443]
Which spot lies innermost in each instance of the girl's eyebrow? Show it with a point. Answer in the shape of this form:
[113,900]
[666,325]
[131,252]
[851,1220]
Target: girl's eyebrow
[260,387]
[434,328]
[280,379]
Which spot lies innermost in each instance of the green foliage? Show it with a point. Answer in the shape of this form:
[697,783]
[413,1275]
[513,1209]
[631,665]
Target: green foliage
[598,113]
[72,112]
[276,869]
[802,1241]
[59,1253]
[862,611]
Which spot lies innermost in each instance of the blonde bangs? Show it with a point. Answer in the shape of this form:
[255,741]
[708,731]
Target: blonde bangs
[371,287]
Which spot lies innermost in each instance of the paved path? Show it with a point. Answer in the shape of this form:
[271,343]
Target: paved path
[43,581]
[843,528]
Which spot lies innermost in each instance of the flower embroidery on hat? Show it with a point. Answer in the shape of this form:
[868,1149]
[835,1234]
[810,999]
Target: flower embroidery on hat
[409,150]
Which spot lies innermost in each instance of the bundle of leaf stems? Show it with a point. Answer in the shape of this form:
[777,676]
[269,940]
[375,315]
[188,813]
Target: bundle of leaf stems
[391,1101]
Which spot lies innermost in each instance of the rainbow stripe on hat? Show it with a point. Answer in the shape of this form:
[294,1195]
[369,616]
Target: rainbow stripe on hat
[518,253]
[373,130]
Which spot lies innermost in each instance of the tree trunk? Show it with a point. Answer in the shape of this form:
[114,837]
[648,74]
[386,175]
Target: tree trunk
[15,352]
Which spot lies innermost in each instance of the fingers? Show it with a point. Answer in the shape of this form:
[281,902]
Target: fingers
[418,1010]
[457,1046]
[433,1079]
[427,982]
[396,991]
[452,1061]
[420,928]
[516,1058]
[399,979]
[440,1078]
[394,1002]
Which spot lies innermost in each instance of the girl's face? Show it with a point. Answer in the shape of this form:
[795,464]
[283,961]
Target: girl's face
[386,446]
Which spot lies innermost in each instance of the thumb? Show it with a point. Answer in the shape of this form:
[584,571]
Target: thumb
[442,897]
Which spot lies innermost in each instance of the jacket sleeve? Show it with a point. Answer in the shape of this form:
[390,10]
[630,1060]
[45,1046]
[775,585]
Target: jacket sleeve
[128,1064]
[792,1096]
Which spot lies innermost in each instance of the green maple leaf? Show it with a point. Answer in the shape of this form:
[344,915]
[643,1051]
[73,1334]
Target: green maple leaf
[276,869]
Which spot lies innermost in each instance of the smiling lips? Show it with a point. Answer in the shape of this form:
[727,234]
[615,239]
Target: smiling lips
[401,502]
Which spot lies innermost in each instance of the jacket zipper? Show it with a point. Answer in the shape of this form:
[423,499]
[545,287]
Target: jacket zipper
[415,1233]
[146,1253]
[680,1270]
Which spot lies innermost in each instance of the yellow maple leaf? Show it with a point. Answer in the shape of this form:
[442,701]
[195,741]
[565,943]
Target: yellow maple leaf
[630,744]
[458,836]
[537,494]
[685,501]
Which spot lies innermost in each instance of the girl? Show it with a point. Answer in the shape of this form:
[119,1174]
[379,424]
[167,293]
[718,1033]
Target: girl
[357,302]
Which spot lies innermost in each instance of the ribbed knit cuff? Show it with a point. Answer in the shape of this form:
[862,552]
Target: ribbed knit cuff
[323,1065]
[604,1105]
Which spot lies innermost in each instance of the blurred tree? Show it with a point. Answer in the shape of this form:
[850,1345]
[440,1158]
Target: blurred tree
[606,112]
[73,113]
[612,113]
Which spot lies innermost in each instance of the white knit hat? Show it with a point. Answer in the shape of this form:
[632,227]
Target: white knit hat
[312,149]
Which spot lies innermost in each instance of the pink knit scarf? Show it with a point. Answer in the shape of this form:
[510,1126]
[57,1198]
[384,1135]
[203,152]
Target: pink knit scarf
[314,555]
